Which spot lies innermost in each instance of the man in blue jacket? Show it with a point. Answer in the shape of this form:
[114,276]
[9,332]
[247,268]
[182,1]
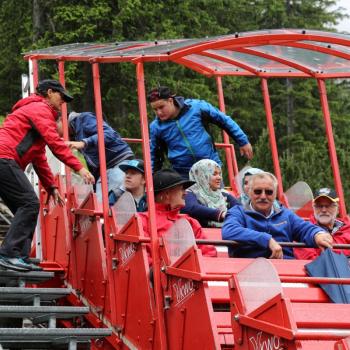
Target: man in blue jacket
[259,225]
[83,133]
[179,129]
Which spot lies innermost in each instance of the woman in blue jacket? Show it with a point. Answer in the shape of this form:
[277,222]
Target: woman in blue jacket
[205,200]
[180,131]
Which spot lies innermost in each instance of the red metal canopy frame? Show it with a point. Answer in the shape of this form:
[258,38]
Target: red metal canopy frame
[263,54]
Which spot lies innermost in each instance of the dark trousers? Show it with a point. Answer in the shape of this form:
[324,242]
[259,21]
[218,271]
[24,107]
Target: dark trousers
[18,194]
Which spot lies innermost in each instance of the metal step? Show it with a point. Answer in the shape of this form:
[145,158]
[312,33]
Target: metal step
[14,278]
[39,314]
[22,295]
[41,338]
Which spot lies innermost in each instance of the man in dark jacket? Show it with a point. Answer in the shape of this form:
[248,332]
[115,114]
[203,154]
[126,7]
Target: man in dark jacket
[26,131]
[259,225]
[179,129]
[83,133]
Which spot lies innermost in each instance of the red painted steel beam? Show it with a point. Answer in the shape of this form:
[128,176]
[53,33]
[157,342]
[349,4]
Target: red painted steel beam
[201,69]
[231,161]
[331,146]
[103,175]
[64,123]
[290,63]
[151,204]
[272,137]
[237,63]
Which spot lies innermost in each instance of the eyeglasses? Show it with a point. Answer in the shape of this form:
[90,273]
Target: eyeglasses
[259,191]
[326,206]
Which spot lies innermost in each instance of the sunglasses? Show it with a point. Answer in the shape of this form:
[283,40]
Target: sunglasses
[258,192]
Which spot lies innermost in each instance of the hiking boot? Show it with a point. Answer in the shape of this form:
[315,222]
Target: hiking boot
[14,264]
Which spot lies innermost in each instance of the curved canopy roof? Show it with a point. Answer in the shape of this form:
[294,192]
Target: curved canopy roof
[265,53]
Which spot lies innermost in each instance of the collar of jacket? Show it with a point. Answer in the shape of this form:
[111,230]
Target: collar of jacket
[165,209]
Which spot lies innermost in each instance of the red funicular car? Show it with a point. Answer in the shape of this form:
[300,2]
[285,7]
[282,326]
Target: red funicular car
[194,302]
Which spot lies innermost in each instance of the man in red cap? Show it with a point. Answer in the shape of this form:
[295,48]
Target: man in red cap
[25,133]
[326,208]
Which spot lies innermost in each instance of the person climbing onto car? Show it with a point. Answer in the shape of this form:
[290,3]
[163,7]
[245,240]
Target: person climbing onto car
[179,130]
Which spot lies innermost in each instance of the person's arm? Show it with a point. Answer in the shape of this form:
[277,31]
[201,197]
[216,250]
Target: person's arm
[312,235]
[235,229]
[158,148]
[199,211]
[231,201]
[224,122]
[45,125]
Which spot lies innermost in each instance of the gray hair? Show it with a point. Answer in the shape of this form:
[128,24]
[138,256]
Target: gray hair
[264,175]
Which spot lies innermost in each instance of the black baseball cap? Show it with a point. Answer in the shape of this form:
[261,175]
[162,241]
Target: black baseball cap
[168,178]
[136,164]
[326,192]
[55,85]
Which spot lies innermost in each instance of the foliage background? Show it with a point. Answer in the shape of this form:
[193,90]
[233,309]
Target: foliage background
[30,24]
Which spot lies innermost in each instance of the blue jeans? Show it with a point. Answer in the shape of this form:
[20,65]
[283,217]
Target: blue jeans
[115,179]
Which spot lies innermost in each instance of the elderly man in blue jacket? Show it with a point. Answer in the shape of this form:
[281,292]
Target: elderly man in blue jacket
[83,133]
[260,225]
[179,130]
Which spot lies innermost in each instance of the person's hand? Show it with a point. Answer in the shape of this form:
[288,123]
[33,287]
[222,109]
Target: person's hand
[323,240]
[276,249]
[87,176]
[55,194]
[76,145]
[246,151]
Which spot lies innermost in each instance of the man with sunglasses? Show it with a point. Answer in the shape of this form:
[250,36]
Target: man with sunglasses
[180,131]
[26,131]
[260,225]
[326,209]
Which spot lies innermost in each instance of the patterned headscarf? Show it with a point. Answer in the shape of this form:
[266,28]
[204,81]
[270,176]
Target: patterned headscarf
[201,172]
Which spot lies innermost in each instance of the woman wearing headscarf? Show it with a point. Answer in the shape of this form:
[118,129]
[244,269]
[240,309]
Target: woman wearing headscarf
[244,198]
[206,201]
[169,192]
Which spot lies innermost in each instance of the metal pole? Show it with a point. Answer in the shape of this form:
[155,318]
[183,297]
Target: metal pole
[151,204]
[331,146]
[104,186]
[272,137]
[231,160]
[64,124]
[35,77]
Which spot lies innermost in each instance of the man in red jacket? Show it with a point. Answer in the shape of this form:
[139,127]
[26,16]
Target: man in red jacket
[25,132]
[326,209]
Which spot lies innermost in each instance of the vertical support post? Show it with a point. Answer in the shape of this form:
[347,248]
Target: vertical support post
[231,160]
[331,146]
[35,79]
[103,176]
[272,138]
[64,122]
[150,201]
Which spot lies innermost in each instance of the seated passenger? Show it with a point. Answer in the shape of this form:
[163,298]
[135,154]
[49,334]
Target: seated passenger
[259,225]
[169,190]
[134,182]
[326,209]
[205,200]
[244,198]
